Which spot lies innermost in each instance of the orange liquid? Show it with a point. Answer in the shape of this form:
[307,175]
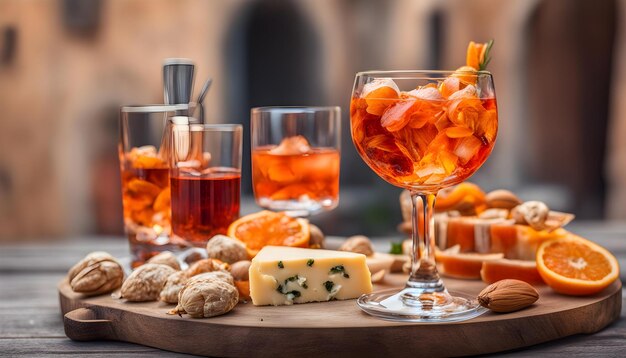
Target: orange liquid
[430,144]
[145,196]
[146,202]
[284,177]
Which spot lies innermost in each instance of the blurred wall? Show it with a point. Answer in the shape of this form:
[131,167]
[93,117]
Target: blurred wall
[67,66]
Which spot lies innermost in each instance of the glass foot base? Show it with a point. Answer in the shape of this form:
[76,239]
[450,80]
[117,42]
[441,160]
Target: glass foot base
[411,305]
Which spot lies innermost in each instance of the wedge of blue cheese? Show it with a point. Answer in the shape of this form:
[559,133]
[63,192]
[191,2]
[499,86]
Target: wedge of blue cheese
[286,275]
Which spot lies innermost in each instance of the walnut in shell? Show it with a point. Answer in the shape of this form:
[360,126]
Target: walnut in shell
[206,297]
[165,258]
[102,276]
[538,216]
[317,238]
[502,199]
[532,213]
[218,275]
[359,244]
[226,249]
[146,282]
[177,280]
[90,259]
[172,287]
[240,270]
[206,265]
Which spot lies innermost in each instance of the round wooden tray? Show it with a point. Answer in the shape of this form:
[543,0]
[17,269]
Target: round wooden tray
[337,328]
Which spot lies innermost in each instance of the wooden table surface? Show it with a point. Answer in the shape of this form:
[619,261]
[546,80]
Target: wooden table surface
[31,323]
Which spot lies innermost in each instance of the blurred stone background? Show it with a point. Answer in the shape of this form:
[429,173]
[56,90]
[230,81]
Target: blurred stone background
[67,65]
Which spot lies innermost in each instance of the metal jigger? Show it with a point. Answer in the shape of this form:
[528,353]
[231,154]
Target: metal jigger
[178,76]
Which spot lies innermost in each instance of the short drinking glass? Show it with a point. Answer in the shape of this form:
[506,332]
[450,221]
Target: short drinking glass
[295,158]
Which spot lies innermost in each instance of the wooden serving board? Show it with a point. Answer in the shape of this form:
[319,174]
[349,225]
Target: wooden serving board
[337,328]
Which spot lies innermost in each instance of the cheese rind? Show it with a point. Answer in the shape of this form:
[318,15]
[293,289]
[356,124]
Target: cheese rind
[285,275]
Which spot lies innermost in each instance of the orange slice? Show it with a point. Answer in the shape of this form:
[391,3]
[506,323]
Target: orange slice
[478,55]
[466,74]
[575,266]
[269,228]
[380,99]
[523,270]
[452,263]
[465,197]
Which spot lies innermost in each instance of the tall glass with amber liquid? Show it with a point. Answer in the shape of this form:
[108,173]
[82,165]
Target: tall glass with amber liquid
[295,158]
[144,153]
[423,131]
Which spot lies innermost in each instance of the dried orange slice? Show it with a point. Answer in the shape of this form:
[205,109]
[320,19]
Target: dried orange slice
[575,266]
[453,263]
[465,197]
[523,270]
[269,228]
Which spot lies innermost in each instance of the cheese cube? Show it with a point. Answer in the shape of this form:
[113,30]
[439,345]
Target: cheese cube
[285,275]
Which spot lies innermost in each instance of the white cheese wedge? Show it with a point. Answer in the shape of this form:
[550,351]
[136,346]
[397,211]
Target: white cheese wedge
[285,275]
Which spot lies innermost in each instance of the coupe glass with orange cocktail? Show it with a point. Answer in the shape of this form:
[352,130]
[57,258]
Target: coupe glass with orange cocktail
[423,131]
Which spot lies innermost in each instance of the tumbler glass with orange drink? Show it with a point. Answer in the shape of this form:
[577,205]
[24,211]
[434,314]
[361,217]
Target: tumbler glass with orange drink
[295,158]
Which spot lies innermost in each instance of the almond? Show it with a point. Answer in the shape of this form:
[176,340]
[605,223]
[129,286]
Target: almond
[508,296]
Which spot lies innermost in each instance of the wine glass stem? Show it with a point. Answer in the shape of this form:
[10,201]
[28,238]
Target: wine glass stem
[424,275]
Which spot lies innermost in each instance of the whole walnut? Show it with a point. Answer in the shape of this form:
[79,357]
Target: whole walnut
[532,213]
[173,285]
[194,255]
[204,296]
[96,274]
[240,270]
[176,281]
[226,249]
[206,265]
[316,238]
[165,258]
[218,275]
[359,244]
[146,282]
[90,259]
